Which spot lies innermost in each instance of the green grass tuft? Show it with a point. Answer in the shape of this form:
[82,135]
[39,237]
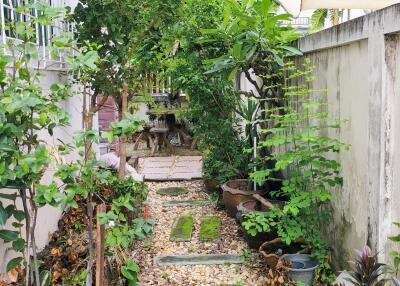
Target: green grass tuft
[173,192]
[182,228]
[210,228]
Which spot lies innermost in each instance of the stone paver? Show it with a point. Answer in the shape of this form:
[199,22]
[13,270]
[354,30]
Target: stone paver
[187,203]
[208,259]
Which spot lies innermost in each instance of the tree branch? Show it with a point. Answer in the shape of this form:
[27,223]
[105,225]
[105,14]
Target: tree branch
[96,107]
[248,93]
[253,82]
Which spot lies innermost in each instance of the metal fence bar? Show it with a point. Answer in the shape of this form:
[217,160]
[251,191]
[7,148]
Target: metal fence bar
[3,22]
[43,34]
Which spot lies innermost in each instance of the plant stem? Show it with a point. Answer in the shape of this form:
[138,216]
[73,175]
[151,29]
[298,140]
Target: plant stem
[122,139]
[27,236]
[89,268]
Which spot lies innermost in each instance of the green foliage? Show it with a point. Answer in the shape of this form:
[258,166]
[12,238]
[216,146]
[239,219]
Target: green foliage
[210,228]
[211,96]
[318,19]
[249,30]
[255,222]
[302,142]
[128,126]
[130,271]
[366,269]
[128,36]
[320,16]
[395,254]
[27,110]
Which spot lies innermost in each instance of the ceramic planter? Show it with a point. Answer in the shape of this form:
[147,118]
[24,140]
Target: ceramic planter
[212,185]
[254,242]
[235,192]
[256,206]
[302,267]
[273,250]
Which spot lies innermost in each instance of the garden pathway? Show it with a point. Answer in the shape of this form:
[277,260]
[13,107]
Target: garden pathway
[163,212]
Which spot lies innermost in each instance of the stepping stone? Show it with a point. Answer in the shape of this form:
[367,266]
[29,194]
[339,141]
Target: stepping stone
[182,228]
[210,228]
[188,203]
[206,259]
[172,192]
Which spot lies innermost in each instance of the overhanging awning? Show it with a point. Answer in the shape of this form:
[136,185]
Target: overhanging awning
[347,4]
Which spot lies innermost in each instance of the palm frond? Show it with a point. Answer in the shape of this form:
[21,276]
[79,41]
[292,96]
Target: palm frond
[318,19]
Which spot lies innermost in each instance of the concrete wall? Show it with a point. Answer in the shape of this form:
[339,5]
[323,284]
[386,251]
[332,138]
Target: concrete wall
[358,62]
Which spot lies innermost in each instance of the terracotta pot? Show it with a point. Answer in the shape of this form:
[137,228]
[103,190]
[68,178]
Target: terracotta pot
[254,205]
[212,185]
[272,250]
[235,192]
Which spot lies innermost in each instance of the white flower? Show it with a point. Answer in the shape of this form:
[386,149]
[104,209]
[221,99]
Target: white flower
[104,30]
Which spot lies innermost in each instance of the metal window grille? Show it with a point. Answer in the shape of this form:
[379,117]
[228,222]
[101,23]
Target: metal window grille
[43,34]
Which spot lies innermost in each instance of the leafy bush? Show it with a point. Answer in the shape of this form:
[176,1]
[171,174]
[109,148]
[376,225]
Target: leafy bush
[212,97]
[299,143]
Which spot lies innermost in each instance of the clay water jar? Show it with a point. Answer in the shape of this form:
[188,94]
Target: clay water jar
[235,192]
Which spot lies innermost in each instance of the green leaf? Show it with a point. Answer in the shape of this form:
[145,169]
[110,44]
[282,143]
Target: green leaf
[233,73]
[129,271]
[293,50]
[8,196]
[6,148]
[8,235]
[19,215]
[45,278]
[3,215]
[395,238]
[24,74]
[13,263]
[18,245]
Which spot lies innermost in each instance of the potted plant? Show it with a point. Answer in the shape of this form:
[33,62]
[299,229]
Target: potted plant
[302,267]
[274,249]
[255,206]
[236,192]
[212,185]
[256,229]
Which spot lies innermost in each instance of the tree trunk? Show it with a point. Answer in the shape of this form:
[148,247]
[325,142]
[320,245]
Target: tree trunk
[122,138]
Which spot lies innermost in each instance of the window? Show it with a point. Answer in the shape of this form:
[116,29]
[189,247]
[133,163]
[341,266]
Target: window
[11,16]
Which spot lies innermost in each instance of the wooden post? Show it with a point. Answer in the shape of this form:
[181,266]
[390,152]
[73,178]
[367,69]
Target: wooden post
[100,248]
[122,138]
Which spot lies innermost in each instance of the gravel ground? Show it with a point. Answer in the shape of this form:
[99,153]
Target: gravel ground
[159,244]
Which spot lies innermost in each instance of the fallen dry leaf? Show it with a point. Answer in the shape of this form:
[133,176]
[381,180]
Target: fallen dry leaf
[13,275]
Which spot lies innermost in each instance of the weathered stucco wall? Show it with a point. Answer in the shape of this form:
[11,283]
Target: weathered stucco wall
[358,63]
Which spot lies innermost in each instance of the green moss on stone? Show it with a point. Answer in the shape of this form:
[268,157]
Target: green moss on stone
[210,228]
[173,192]
[182,228]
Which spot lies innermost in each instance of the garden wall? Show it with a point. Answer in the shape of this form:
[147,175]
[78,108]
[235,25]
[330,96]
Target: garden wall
[358,62]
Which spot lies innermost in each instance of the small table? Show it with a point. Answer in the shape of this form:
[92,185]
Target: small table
[156,137]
